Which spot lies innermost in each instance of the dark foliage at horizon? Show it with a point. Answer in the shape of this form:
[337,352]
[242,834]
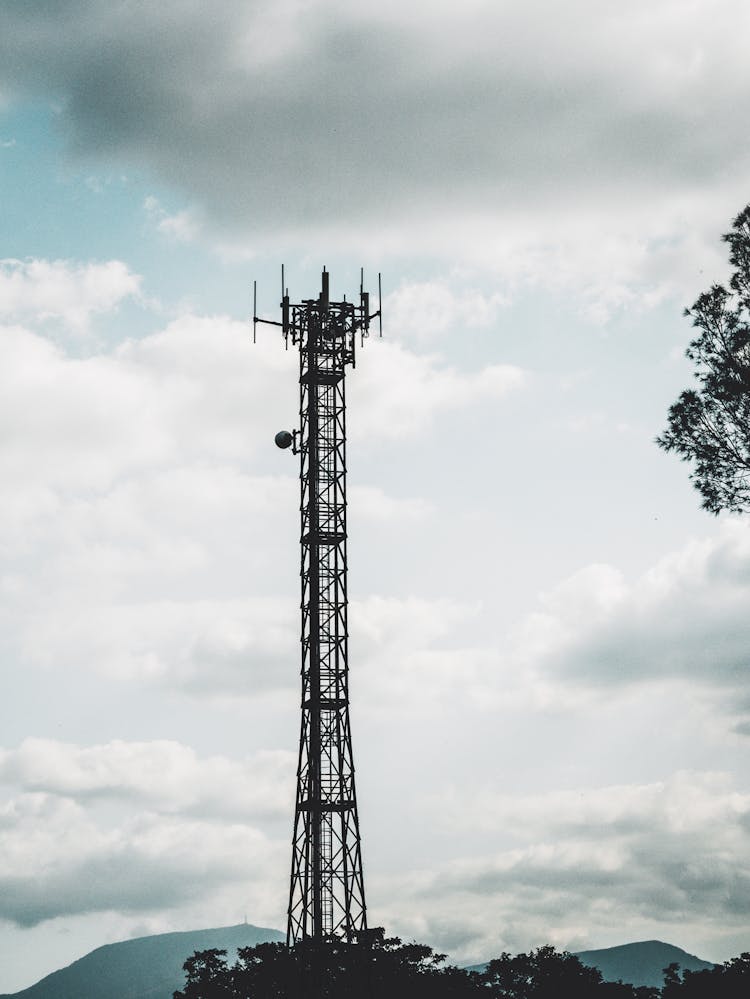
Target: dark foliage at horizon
[389,969]
[710,426]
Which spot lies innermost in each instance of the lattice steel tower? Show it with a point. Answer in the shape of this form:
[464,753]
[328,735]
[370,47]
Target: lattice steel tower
[327,892]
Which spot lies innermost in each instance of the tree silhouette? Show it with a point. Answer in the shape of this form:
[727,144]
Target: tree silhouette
[382,967]
[710,426]
[725,981]
[386,968]
[543,974]
[207,976]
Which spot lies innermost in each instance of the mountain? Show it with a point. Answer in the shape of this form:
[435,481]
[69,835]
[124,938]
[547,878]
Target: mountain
[151,967]
[144,968]
[635,963]
[640,963]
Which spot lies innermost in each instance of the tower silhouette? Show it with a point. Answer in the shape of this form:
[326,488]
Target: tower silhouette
[327,892]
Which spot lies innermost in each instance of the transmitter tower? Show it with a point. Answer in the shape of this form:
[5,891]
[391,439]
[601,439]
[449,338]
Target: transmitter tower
[327,892]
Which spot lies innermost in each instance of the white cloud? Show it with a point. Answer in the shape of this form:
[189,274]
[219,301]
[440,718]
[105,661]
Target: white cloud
[608,863]
[39,290]
[192,391]
[182,226]
[398,392]
[58,860]
[595,635]
[197,391]
[389,621]
[412,656]
[410,653]
[682,805]
[209,647]
[372,503]
[684,619]
[585,147]
[429,308]
[136,477]
[163,776]
[140,828]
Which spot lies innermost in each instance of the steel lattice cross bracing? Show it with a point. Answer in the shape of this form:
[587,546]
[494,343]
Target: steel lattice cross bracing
[327,895]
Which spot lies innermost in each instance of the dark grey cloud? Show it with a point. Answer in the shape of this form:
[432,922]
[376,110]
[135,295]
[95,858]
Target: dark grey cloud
[58,860]
[125,880]
[620,858]
[685,619]
[710,647]
[646,884]
[165,777]
[335,113]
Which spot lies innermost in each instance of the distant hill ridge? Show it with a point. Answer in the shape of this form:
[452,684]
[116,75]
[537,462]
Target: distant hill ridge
[143,968]
[641,963]
[151,967]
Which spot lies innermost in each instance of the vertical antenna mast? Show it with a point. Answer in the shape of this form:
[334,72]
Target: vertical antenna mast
[326,894]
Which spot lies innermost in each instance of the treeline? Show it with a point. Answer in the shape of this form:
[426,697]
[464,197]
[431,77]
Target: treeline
[386,968]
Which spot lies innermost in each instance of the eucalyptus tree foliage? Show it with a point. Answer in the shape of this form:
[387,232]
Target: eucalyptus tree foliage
[709,426]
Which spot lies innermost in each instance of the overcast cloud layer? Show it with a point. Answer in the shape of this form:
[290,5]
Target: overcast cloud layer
[654,853]
[521,135]
[549,640]
[119,540]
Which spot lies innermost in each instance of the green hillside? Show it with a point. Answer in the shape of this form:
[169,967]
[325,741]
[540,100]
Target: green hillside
[640,963]
[144,968]
[151,967]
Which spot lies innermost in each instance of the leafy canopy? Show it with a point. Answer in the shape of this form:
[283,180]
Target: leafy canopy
[710,426]
[386,968]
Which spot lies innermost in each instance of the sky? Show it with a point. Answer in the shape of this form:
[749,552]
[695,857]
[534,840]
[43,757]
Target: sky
[549,666]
